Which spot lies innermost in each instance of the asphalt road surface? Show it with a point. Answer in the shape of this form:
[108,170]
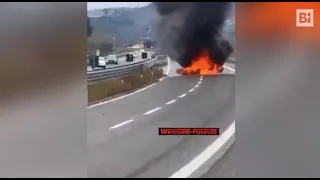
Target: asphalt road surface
[123,135]
[224,167]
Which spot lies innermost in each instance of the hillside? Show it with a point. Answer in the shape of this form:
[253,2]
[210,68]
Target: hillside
[129,25]
[126,24]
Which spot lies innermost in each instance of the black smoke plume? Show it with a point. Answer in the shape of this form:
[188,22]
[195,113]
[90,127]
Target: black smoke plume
[186,29]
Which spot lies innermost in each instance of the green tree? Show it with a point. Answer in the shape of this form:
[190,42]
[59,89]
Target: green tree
[89,28]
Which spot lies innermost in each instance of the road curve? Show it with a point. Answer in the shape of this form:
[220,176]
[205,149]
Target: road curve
[123,138]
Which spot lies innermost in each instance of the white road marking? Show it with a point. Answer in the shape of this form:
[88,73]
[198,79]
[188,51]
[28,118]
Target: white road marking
[169,66]
[121,124]
[229,68]
[151,111]
[124,96]
[170,102]
[148,112]
[210,151]
[161,79]
[191,90]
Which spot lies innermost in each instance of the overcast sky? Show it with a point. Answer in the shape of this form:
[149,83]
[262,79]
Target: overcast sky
[102,5]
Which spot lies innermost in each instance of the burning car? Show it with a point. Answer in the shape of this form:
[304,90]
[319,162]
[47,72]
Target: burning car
[196,42]
[202,65]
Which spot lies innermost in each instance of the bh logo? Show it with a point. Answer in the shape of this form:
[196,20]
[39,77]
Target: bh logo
[304,18]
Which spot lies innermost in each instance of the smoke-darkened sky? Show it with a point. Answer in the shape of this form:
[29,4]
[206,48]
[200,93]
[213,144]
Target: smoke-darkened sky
[186,30]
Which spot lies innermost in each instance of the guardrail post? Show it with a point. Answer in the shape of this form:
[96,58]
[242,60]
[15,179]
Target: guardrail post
[91,60]
[95,61]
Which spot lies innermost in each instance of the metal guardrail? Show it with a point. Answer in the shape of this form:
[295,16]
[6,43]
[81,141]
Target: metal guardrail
[161,60]
[119,70]
[161,63]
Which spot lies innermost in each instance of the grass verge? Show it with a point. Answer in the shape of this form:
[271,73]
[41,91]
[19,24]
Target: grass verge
[110,88]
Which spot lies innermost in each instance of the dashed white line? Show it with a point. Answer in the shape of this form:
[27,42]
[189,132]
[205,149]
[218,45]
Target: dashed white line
[121,124]
[151,111]
[191,90]
[229,68]
[210,151]
[170,102]
[148,112]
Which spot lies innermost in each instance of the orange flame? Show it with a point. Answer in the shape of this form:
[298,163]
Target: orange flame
[202,65]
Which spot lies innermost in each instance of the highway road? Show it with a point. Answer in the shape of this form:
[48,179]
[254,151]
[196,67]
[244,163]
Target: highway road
[122,61]
[123,138]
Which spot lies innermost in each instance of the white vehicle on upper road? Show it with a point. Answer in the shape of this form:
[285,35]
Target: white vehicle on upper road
[112,59]
[102,62]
